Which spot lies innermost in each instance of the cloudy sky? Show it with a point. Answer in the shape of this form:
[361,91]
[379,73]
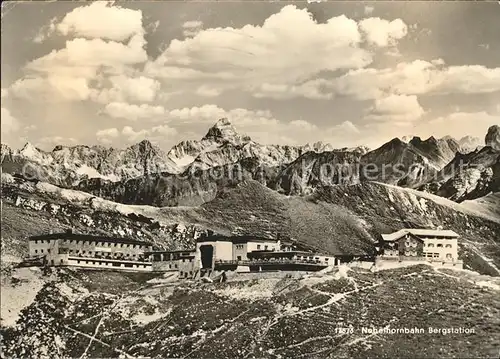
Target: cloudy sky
[347,73]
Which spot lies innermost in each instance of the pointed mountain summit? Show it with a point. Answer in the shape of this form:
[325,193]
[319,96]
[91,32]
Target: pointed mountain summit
[224,131]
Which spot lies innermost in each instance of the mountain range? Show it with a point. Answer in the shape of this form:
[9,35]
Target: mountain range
[192,171]
[68,165]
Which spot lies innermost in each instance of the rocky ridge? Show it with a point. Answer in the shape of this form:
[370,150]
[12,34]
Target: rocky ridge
[492,138]
[467,176]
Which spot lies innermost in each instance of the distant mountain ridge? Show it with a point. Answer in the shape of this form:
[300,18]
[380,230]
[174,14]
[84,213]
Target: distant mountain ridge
[67,165]
[466,144]
[222,145]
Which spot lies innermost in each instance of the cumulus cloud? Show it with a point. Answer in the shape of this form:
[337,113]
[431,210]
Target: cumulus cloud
[346,127]
[125,88]
[102,20]
[5,92]
[107,136]
[413,78]
[9,123]
[133,112]
[191,28]
[109,40]
[395,110]
[45,31]
[51,89]
[382,32]
[251,55]
[88,56]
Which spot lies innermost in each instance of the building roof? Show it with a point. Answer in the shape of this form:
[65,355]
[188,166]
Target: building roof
[89,238]
[419,232]
[235,239]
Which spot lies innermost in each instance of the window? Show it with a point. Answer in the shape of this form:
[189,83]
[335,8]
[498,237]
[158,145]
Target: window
[238,258]
[41,250]
[440,245]
[265,247]
[36,250]
[449,256]
[36,241]
[258,246]
[430,245]
[448,246]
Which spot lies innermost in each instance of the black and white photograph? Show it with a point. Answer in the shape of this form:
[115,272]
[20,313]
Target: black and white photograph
[221,179]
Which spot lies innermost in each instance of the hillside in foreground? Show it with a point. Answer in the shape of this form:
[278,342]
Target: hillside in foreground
[96,314]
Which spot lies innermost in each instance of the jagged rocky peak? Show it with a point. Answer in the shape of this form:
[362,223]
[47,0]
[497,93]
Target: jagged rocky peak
[492,138]
[30,151]
[144,146]
[224,131]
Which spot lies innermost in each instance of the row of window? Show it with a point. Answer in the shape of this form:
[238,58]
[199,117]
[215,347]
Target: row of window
[410,244]
[101,244]
[436,255]
[430,245]
[41,251]
[95,253]
[439,245]
[112,264]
